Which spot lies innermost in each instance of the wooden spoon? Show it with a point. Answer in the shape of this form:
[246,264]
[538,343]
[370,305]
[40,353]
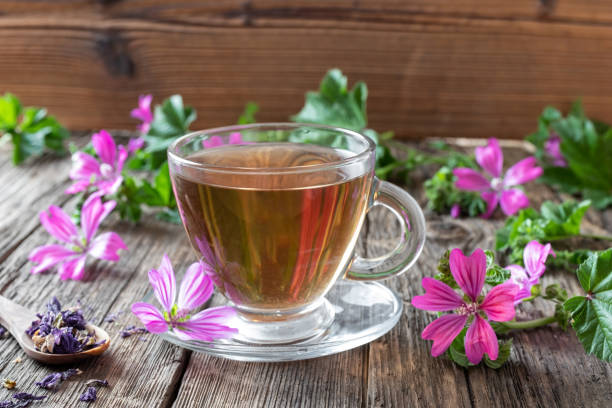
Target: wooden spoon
[17,319]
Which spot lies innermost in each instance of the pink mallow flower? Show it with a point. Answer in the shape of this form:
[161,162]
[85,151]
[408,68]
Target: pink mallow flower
[196,288]
[143,113]
[534,256]
[70,256]
[216,141]
[104,175]
[498,190]
[553,149]
[497,305]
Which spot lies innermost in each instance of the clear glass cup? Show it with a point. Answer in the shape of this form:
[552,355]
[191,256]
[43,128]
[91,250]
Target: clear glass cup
[274,210]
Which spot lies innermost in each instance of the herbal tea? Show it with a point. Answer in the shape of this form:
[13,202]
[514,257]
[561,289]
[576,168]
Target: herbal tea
[275,241]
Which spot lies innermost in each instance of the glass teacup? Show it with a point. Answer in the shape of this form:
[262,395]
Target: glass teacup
[274,210]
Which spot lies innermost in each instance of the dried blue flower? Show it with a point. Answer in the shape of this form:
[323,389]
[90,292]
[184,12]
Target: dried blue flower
[2,332]
[89,395]
[50,382]
[130,330]
[112,317]
[61,331]
[53,380]
[24,396]
[98,383]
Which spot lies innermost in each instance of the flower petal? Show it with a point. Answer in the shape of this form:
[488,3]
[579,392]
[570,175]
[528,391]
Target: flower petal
[552,147]
[84,167]
[471,180]
[143,112]
[498,304]
[492,199]
[213,141]
[152,318]
[121,157]
[235,138]
[105,147]
[208,325]
[59,225]
[77,187]
[522,172]
[107,187]
[455,211]
[534,256]
[196,288]
[164,283]
[490,157]
[512,201]
[134,144]
[106,245]
[469,271]
[479,339]
[443,331]
[438,297]
[72,269]
[92,214]
[47,256]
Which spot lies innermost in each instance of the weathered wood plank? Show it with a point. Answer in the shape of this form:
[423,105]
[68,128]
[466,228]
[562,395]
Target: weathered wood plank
[141,373]
[429,74]
[594,11]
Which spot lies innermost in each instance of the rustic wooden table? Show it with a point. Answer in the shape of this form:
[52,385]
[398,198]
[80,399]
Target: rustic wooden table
[548,367]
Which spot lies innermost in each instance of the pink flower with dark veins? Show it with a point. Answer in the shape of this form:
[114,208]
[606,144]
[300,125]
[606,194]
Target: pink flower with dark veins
[498,190]
[104,175]
[178,315]
[70,255]
[553,149]
[497,305]
[143,113]
[534,256]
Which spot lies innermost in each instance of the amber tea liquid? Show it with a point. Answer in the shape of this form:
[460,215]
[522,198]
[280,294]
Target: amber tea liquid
[272,241]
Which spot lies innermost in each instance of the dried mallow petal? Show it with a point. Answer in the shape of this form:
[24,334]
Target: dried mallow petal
[60,331]
[3,332]
[53,380]
[89,395]
[8,384]
[98,383]
[24,396]
[130,330]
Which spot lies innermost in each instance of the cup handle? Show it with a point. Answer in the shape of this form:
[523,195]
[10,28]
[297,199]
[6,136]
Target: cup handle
[412,239]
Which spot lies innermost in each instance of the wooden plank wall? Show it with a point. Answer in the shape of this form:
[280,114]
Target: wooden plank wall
[462,68]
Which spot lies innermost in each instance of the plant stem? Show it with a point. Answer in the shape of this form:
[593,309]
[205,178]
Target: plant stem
[529,324]
[595,236]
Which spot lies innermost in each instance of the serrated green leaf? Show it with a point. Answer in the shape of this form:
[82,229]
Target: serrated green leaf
[163,185]
[592,314]
[456,351]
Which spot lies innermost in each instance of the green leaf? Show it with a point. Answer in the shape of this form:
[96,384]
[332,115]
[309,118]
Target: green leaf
[248,115]
[585,145]
[505,348]
[442,194]
[334,104]
[553,222]
[456,351]
[163,185]
[592,314]
[171,120]
[31,130]
[10,109]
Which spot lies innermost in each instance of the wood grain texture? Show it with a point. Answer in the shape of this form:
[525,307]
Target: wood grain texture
[547,367]
[434,68]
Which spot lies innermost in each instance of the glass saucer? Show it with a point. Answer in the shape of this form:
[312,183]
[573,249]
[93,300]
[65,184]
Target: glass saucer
[364,311]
